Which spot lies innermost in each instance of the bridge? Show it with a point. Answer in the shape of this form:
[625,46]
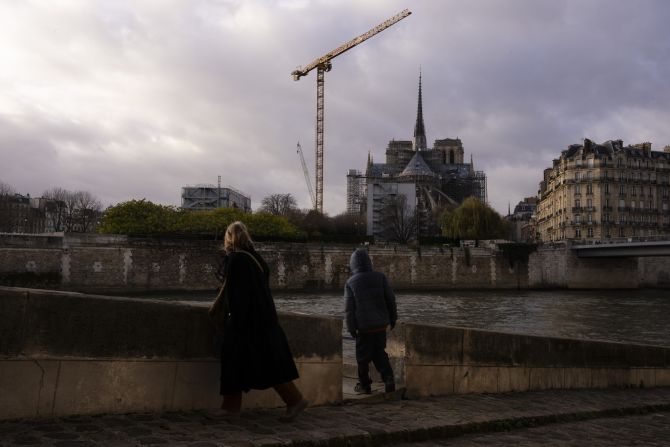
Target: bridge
[624,247]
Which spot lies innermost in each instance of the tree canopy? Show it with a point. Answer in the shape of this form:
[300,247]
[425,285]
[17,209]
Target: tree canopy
[473,219]
[142,217]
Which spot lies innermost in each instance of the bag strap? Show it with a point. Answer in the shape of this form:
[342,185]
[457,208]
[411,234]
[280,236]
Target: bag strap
[254,258]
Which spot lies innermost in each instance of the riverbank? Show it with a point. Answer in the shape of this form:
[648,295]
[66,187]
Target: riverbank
[119,264]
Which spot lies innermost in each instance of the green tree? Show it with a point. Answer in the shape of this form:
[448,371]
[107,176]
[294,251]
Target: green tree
[142,217]
[473,219]
[139,217]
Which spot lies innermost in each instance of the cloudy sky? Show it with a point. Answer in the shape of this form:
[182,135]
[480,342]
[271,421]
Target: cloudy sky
[134,99]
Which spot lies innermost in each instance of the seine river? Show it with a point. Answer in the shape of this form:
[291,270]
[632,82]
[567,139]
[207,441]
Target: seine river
[637,316]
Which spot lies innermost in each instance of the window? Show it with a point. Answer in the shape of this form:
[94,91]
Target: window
[589,203]
[578,189]
[607,188]
[590,162]
[632,204]
[577,176]
[589,174]
[578,203]
[578,232]
[578,219]
[590,218]
[590,232]
[589,188]
[622,190]
[622,233]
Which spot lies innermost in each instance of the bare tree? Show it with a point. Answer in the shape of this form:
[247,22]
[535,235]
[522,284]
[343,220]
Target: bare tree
[6,190]
[279,204]
[6,210]
[399,220]
[73,211]
[88,211]
[57,207]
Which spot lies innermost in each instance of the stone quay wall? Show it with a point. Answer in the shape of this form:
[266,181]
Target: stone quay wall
[437,360]
[118,264]
[64,353]
[101,264]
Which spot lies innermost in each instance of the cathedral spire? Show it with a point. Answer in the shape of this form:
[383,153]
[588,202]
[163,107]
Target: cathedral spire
[419,129]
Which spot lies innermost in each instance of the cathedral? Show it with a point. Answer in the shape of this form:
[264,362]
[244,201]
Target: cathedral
[402,195]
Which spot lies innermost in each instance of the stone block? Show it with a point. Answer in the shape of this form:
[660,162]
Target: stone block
[546,378]
[429,380]
[611,377]
[576,378]
[98,386]
[513,378]
[475,379]
[327,345]
[13,306]
[27,388]
[488,348]
[196,385]
[433,345]
[320,382]
[532,351]
[643,377]
[662,376]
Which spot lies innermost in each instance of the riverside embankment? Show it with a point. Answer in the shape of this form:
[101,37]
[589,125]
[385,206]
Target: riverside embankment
[103,263]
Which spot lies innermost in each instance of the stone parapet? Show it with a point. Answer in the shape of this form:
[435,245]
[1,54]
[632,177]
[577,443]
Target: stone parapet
[447,360]
[69,353]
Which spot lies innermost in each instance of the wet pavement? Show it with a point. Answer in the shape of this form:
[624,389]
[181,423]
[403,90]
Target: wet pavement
[576,417]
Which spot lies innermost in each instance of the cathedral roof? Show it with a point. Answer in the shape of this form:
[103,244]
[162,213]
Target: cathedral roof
[417,166]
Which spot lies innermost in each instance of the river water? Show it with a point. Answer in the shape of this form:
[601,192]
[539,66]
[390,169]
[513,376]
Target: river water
[635,316]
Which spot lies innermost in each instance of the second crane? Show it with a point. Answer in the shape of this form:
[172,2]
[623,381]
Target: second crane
[323,65]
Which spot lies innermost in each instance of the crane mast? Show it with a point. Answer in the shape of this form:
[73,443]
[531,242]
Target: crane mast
[322,65]
[306,172]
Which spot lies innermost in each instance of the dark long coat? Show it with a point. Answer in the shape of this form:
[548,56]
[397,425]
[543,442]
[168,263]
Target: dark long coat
[255,353]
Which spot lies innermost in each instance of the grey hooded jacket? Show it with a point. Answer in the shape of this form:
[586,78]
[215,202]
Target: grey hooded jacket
[369,302]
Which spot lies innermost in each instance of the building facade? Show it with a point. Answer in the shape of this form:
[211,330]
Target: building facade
[210,197]
[523,220]
[437,177]
[601,191]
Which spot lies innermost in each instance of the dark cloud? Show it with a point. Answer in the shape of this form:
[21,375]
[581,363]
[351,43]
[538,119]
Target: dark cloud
[132,100]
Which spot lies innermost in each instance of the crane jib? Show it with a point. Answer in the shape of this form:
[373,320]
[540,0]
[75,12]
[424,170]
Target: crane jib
[302,71]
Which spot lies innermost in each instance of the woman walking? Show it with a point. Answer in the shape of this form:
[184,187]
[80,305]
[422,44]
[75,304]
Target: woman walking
[255,353]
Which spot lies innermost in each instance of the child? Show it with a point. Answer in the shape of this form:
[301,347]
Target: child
[369,308]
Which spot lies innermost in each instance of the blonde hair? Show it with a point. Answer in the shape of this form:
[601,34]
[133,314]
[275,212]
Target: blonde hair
[237,237]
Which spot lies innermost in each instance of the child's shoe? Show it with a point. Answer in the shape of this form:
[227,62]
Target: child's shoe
[363,389]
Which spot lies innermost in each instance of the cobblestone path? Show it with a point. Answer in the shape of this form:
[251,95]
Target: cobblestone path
[469,417]
[649,430]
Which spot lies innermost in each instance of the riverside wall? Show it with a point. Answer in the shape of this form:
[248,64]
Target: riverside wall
[118,264]
[436,360]
[64,353]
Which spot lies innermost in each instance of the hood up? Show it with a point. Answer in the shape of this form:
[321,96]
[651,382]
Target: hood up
[360,261]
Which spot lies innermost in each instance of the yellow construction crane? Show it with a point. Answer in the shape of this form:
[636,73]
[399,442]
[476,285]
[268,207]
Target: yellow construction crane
[323,65]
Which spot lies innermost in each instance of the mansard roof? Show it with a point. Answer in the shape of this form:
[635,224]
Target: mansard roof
[610,148]
[417,166]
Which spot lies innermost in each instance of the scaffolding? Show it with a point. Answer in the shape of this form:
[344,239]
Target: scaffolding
[210,197]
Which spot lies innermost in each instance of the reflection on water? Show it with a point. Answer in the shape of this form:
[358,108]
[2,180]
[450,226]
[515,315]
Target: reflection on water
[637,316]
